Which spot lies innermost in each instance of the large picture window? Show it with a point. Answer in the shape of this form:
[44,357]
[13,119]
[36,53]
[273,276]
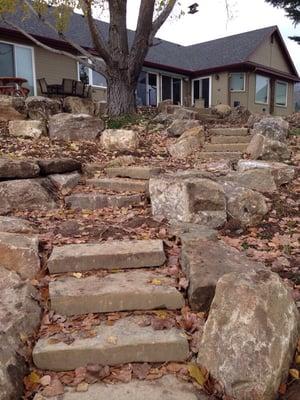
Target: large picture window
[237,82]
[262,89]
[91,77]
[281,90]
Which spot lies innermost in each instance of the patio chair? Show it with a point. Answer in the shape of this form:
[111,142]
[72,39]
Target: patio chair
[49,90]
[79,89]
[68,87]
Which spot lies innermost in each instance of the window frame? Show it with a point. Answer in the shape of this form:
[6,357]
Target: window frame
[286,94]
[181,86]
[244,80]
[14,44]
[268,91]
[210,88]
[90,74]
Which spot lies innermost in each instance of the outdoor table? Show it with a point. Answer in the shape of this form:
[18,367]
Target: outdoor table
[12,86]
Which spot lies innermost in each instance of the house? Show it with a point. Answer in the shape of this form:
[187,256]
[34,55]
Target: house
[252,69]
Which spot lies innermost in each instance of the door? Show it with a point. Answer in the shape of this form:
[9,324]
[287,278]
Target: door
[202,90]
[24,66]
[152,89]
[7,61]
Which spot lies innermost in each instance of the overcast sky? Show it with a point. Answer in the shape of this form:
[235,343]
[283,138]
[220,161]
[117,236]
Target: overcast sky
[211,22]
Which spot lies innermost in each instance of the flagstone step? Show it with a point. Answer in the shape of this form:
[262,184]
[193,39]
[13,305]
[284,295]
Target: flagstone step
[107,255]
[123,291]
[229,131]
[225,147]
[119,184]
[137,172]
[230,139]
[219,155]
[94,201]
[124,342]
[166,388]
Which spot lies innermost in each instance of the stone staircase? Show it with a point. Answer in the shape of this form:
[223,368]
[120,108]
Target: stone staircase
[226,143]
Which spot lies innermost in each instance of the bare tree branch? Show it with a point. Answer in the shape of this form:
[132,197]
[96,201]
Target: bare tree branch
[161,19]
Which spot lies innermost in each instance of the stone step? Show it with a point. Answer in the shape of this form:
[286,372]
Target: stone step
[119,184]
[229,131]
[107,255]
[124,342]
[230,139]
[226,147]
[166,388]
[142,172]
[122,291]
[219,155]
[95,201]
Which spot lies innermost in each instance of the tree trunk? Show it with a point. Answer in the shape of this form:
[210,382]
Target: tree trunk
[120,96]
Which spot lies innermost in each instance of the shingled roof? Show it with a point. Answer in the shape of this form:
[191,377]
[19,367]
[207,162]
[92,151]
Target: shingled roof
[231,50]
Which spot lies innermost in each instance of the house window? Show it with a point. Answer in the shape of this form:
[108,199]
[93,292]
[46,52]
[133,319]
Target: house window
[262,89]
[171,89]
[91,77]
[281,89]
[237,82]
[17,61]
[147,89]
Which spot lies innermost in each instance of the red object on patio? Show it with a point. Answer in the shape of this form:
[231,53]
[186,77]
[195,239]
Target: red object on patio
[12,86]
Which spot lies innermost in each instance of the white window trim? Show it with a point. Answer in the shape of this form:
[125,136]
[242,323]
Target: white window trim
[90,77]
[148,87]
[181,86]
[286,94]
[210,88]
[268,91]
[32,57]
[244,88]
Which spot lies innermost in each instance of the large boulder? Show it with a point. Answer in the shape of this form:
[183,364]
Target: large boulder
[32,129]
[163,106]
[120,140]
[20,253]
[65,182]
[222,110]
[281,172]
[16,225]
[20,317]
[187,198]
[261,180]
[254,119]
[275,128]
[179,126]
[188,143]
[205,262]
[41,108]
[58,165]
[250,335]
[15,169]
[25,194]
[263,148]
[185,113]
[73,127]
[78,105]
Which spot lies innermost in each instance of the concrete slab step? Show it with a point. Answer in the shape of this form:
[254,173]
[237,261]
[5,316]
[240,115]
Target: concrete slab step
[219,155]
[95,201]
[119,185]
[229,131]
[122,291]
[124,342]
[107,255]
[166,388]
[230,139]
[137,172]
[226,147]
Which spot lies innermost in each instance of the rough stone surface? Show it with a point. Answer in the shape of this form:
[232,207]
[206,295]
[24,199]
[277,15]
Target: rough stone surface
[189,142]
[78,105]
[229,131]
[245,206]
[187,232]
[94,201]
[123,291]
[58,165]
[24,194]
[251,334]
[120,140]
[42,108]
[100,108]
[263,148]
[20,253]
[222,139]
[275,128]
[261,180]
[188,199]
[123,342]
[122,161]
[65,182]
[185,113]
[19,315]
[179,126]
[226,147]
[218,168]
[107,255]
[163,105]
[15,169]
[10,108]
[163,119]
[205,262]
[119,185]
[255,118]
[282,173]
[16,225]
[223,110]
[32,129]
[75,127]
[166,388]
[138,172]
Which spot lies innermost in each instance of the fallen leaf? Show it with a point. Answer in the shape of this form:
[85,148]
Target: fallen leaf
[54,389]
[140,371]
[45,380]
[156,282]
[294,373]
[82,387]
[112,340]
[77,275]
[196,373]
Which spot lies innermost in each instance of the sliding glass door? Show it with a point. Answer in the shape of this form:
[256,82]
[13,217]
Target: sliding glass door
[171,89]
[7,63]
[201,90]
[147,89]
